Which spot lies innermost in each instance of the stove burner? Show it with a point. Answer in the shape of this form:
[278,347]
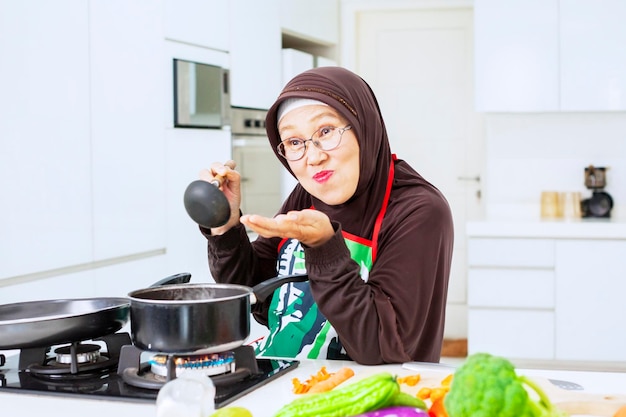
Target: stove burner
[241,366]
[85,353]
[206,364]
[75,361]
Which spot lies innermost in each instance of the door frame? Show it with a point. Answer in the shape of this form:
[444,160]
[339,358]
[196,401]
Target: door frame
[349,9]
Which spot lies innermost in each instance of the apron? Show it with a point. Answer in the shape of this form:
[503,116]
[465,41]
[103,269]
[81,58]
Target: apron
[297,329]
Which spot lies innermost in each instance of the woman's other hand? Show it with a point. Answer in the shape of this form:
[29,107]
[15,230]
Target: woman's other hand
[310,227]
[230,181]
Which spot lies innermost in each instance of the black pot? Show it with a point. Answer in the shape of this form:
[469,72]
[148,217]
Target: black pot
[185,318]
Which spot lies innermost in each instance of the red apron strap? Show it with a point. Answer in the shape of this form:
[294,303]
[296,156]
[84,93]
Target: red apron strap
[383,209]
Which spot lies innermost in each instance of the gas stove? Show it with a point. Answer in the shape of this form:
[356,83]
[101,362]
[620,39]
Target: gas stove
[112,368]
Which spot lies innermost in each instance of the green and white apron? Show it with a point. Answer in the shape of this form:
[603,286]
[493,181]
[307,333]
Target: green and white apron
[297,327]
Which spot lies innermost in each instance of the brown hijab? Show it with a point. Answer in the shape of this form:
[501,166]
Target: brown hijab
[353,98]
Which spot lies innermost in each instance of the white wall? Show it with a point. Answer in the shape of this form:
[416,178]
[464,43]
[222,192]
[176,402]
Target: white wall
[530,153]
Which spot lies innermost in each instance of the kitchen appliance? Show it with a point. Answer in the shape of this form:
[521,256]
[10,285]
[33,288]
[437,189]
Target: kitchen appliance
[77,347]
[262,175]
[201,95]
[600,203]
[111,368]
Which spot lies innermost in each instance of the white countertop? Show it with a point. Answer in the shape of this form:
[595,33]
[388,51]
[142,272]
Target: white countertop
[265,401]
[550,229]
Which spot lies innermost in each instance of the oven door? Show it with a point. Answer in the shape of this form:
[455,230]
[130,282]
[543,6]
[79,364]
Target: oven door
[261,175]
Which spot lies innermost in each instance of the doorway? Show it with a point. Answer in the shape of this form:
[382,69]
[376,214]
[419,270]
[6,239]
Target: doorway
[420,64]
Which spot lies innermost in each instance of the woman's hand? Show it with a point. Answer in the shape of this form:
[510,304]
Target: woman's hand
[310,227]
[231,187]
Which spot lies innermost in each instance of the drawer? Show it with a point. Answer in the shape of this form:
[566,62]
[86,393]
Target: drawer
[522,334]
[511,288]
[511,252]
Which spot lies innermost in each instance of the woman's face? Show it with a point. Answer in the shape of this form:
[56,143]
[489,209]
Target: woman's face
[331,176]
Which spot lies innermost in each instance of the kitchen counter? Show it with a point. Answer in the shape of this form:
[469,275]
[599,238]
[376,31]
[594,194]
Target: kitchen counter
[539,228]
[265,401]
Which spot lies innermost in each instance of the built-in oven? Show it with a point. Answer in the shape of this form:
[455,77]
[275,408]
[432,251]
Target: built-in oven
[262,174]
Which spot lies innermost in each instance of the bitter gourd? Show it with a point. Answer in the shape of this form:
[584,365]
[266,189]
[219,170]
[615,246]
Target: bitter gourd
[371,393]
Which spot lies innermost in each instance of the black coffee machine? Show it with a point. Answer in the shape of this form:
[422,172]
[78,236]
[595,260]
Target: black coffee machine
[600,203]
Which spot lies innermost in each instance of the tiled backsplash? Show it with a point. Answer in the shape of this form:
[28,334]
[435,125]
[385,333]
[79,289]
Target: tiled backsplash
[530,153]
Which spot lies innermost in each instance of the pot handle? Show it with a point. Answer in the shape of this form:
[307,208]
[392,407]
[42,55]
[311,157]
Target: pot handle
[181,278]
[266,288]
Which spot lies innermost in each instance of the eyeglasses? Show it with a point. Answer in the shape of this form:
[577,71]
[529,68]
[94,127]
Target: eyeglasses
[326,138]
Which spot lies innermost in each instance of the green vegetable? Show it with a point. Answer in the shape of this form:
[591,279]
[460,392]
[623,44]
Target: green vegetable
[402,399]
[371,393]
[488,386]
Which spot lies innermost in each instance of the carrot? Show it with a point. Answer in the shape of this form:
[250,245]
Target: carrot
[301,388]
[447,380]
[335,379]
[437,409]
[424,393]
[410,380]
[621,412]
[438,393]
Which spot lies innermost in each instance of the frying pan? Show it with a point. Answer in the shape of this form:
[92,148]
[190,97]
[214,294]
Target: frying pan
[52,322]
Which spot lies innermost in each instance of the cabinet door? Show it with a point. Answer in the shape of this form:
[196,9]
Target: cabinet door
[319,23]
[512,333]
[128,137]
[590,307]
[255,51]
[45,173]
[593,63]
[197,22]
[517,55]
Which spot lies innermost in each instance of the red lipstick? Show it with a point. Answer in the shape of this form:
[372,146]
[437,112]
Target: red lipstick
[323,176]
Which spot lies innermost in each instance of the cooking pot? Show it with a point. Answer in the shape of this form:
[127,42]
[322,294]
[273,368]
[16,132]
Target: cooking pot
[198,318]
[53,322]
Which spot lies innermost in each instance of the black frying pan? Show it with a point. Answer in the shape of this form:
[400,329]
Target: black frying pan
[52,322]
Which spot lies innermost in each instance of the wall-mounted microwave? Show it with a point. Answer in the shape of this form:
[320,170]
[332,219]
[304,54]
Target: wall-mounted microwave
[201,95]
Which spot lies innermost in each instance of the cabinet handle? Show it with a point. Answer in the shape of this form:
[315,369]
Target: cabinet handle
[476,178]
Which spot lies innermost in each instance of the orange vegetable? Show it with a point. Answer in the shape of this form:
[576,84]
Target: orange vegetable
[322,376]
[621,412]
[410,380]
[424,393]
[332,381]
[437,409]
[438,393]
[447,380]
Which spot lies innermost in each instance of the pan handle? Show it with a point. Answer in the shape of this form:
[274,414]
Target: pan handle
[266,288]
[182,278]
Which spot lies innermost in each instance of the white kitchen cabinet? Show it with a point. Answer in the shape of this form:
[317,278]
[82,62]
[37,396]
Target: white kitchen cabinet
[45,154]
[548,290]
[593,62]
[317,22]
[527,334]
[590,307]
[516,55]
[203,23]
[255,52]
[511,288]
[295,62]
[128,142]
[550,55]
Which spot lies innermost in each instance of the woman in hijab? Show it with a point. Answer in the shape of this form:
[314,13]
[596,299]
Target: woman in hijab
[374,237]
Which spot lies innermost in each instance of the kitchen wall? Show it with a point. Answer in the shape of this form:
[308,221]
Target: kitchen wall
[532,152]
